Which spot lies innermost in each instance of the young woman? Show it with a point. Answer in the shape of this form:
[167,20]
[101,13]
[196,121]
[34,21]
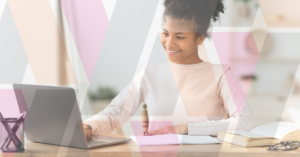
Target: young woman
[196,97]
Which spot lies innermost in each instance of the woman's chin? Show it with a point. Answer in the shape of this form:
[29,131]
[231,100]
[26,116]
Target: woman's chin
[173,60]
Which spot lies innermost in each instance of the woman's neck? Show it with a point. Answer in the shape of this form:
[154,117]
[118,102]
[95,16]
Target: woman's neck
[195,60]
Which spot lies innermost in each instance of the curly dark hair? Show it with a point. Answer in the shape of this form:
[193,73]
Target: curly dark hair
[198,12]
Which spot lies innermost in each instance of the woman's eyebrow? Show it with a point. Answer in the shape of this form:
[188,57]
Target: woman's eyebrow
[175,33]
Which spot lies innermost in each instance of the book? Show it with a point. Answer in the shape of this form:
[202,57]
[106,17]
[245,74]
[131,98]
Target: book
[264,135]
[171,139]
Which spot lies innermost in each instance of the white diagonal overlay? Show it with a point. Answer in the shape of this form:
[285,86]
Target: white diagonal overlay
[72,52]
[28,76]
[109,6]
[211,51]
[2,6]
[76,63]
[152,34]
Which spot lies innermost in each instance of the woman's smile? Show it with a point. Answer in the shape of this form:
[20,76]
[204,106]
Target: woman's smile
[172,52]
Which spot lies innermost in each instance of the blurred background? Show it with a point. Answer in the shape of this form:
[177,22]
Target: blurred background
[259,42]
[97,47]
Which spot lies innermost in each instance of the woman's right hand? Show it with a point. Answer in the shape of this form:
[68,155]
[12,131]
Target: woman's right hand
[87,131]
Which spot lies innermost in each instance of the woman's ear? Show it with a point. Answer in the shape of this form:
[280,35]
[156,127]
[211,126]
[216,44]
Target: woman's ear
[200,39]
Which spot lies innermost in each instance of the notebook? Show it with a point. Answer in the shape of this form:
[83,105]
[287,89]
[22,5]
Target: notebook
[263,135]
[170,139]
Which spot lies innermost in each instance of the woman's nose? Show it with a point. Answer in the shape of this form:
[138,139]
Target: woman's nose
[170,42]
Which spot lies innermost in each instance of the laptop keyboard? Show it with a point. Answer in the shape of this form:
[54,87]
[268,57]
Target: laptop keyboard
[92,143]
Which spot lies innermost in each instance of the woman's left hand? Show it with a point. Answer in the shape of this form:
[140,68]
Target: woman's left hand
[177,129]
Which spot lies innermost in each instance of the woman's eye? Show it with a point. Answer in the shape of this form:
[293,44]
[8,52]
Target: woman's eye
[165,34]
[180,38]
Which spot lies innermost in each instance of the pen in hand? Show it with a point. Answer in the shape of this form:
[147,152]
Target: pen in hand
[145,119]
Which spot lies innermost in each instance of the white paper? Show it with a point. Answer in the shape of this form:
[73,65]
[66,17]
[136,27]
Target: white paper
[167,139]
[186,139]
[170,139]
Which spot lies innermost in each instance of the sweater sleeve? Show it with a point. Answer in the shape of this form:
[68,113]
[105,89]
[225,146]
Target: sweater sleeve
[241,117]
[120,109]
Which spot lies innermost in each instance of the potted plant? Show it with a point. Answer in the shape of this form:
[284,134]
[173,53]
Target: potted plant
[244,9]
[101,98]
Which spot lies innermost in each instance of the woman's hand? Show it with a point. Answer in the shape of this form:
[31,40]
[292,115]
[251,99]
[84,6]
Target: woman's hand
[177,129]
[87,131]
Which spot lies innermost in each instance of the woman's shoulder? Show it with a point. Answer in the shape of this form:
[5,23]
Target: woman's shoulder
[223,67]
[220,69]
[156,67]
[152,70]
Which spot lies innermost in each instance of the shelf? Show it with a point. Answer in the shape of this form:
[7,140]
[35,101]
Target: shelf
[265,60]
[284,23]
[277,60]
[267,95]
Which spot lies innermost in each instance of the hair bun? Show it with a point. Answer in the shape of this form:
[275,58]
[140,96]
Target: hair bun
[199,12]
[219,9]
[167,2]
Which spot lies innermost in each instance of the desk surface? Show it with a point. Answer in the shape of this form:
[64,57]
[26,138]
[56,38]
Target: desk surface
[130,149]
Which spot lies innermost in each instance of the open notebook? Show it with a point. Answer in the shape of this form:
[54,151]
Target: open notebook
[170,139]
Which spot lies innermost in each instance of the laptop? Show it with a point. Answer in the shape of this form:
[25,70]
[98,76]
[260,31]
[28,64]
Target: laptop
[54,117]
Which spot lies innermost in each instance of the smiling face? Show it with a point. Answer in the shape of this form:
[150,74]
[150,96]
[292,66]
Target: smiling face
[180,42]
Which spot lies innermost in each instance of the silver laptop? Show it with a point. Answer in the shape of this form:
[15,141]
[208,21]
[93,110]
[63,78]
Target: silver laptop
[54,117]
